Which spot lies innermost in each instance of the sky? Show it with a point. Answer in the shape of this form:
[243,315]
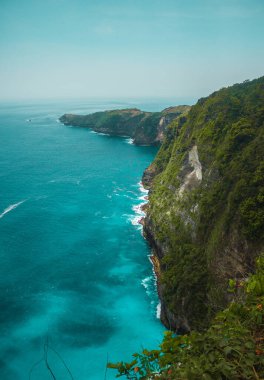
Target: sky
[128,48]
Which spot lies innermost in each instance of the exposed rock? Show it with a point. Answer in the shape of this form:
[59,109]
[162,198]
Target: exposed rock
[192,172]
[148,176]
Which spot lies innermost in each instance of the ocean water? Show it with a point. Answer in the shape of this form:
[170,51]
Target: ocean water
[76,284]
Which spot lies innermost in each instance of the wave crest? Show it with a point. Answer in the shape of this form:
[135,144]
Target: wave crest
[11,207]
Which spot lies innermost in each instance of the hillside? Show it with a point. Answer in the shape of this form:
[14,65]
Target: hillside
[205,223]
[145,128]
[205,216]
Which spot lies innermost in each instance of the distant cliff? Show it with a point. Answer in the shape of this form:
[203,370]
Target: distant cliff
[145,128]
[205,218]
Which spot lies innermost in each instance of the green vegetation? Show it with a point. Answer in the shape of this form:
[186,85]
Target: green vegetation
[211,230]
[144,127]
[231,349]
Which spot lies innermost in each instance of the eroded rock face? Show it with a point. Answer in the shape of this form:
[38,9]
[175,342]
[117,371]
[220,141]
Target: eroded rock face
[148,176]
[193,172]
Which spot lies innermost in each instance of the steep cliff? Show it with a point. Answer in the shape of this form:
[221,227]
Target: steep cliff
[232,348]
[205,216]
[145,128]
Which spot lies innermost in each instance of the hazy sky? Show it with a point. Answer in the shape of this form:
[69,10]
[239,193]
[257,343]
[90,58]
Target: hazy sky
[128,48]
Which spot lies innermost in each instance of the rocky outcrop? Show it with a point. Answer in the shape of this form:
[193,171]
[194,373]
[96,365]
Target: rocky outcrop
[145,128]
[190,172]
[205,217]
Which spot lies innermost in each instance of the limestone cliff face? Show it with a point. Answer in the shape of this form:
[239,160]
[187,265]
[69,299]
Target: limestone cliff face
[205,218]
[145,128]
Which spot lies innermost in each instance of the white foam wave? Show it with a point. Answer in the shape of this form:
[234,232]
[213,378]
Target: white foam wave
[158,310]
[155,279]
[132,192]
[103,134]
[134,220]
[128,196]
[142,188]
[11,207]
[138,210]
[130,141]
[122,193]
[147,283]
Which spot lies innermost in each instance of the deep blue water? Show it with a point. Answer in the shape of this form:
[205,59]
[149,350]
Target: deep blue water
[74,268]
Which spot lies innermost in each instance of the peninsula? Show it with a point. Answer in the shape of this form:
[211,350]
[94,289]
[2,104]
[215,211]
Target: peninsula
[145,128]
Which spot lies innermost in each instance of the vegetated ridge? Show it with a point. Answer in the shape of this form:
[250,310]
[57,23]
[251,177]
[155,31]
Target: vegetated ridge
[145,128]
[205,216]
[205,223]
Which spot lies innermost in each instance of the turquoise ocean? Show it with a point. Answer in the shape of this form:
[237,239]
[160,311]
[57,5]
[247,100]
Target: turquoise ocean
[76,284]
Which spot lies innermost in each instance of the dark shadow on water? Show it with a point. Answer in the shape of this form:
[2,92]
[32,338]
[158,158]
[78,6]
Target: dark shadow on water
[14,310]
[7,373]
[96,331]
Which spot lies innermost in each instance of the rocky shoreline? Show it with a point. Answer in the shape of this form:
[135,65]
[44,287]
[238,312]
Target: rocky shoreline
[179,325]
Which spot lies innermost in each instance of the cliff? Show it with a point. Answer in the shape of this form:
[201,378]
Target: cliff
[145,128]
[231,348]
[205,216]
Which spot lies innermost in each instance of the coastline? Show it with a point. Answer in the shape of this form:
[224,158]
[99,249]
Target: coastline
[139,219]
[153,256]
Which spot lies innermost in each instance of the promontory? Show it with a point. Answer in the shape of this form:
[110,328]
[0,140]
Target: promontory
[145,128]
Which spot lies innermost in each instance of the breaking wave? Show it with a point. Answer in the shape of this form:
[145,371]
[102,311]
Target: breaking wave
[11,207]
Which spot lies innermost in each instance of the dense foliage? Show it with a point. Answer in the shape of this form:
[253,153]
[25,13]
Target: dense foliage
[144,127]
[205,234]
[231,349]
[213,231]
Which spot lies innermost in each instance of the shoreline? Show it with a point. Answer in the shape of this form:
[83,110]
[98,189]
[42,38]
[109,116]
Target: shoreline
[152,257]
[141,211]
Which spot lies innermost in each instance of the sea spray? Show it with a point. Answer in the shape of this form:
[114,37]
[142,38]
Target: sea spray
[149,282]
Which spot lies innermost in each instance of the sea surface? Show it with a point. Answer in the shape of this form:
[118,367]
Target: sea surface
[76,286]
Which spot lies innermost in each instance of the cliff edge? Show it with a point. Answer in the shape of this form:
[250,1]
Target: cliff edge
[145,128]
[205,217]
